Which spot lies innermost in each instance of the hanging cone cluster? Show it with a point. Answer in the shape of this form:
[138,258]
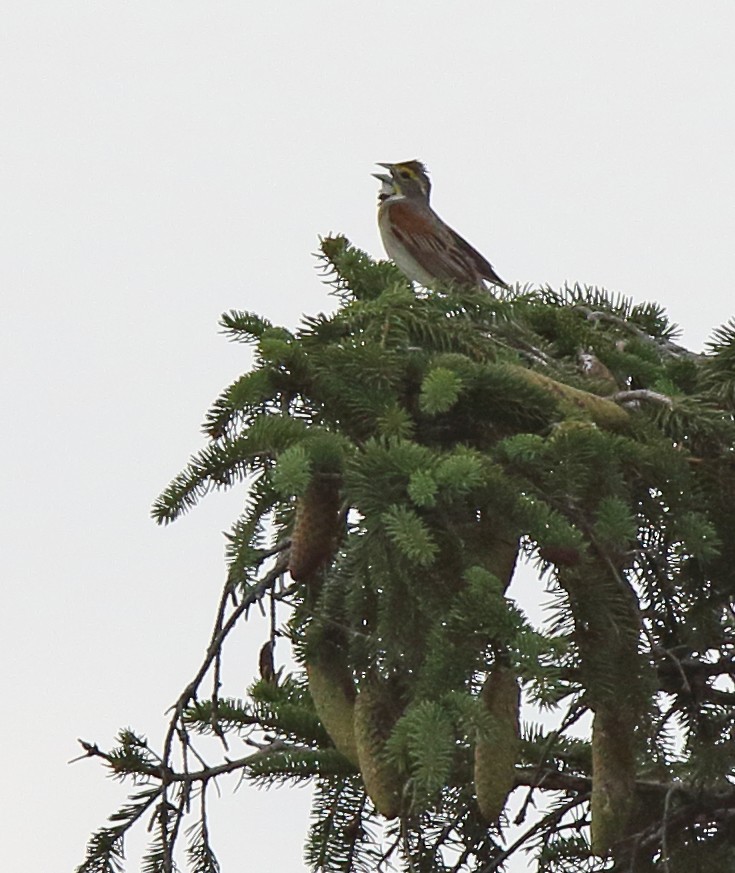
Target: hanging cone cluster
[496,749]
[315,529]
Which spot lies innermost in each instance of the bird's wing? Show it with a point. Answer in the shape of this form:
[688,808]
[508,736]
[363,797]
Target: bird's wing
[483,267]
[436,247]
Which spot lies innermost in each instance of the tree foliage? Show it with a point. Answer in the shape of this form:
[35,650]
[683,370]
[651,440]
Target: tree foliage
[401,455]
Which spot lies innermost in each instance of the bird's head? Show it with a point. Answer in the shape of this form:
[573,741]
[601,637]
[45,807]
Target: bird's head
[409,179]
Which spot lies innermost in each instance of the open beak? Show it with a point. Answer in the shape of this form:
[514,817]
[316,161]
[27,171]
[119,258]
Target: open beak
[388,167]
[383,177]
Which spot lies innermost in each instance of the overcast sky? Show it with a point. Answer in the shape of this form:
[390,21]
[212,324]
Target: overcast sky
[162,162]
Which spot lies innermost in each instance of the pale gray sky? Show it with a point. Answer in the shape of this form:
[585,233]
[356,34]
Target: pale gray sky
[162,162]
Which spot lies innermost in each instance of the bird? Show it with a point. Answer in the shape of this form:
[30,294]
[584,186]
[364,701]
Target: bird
[424,247]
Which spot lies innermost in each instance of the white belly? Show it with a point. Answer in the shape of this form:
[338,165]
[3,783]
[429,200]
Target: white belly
[398,254]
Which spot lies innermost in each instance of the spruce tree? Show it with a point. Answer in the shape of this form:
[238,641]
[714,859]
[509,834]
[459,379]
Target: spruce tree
[399,458]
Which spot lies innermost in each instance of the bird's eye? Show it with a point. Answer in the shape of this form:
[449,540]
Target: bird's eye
[405,174]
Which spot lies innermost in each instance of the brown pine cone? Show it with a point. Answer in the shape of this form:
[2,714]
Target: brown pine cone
[315,529]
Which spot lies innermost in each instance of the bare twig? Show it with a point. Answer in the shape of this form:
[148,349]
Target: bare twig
[623,397]
[552,780]
[386,856]
[664,345]
[573,714]
[548,820]
[221,630]
[177,727]
[205,773]
[664,830]
[280,546]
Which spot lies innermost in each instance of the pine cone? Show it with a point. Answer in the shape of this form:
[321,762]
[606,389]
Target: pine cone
[333,693]
[266,663]
[314,536]
[497,752]
[562,556]
[375,715]
[613,778]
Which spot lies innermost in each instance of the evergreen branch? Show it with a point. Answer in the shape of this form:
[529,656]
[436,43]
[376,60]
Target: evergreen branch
[696,797]
[201,857]
[167,776]
[105,847]
[253,393]
[244,326]
[275,709]
[287,763]
[696,667]
[337,810]
[354,274]
[586,295]
[221,464]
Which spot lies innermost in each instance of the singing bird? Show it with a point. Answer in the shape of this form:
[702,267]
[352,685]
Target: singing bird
[423,247]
